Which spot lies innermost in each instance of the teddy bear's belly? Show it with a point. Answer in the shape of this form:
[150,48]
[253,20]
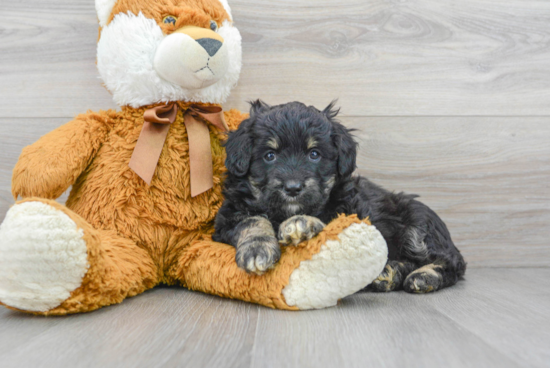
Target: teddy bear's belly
[111,196]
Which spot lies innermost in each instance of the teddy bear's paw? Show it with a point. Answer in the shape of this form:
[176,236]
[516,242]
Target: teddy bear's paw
[299,228]
[43,257]
[341,268]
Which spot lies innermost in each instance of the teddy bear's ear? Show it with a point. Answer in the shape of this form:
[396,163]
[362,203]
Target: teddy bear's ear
[104,9]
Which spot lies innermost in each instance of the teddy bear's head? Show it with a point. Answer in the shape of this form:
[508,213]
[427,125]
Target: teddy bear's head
[152,51]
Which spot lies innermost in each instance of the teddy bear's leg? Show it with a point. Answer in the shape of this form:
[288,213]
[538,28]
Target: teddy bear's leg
[344,258]
[52,262]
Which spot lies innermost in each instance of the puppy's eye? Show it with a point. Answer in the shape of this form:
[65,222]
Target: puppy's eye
[270,156]
[170,19]
[314,155]
[213,26]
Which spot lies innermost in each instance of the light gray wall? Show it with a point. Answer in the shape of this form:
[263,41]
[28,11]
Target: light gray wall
[452,99]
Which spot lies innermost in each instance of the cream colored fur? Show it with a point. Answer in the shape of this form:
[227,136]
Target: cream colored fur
[43,257]
[103,9]
[341,268]
[199,71]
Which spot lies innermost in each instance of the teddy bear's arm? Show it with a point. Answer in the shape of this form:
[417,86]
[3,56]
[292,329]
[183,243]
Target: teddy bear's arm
[53,163]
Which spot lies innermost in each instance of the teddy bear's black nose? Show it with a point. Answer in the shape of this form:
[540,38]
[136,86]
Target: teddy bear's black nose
[210,45]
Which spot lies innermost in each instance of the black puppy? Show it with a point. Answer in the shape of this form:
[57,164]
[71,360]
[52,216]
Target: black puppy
[290,172]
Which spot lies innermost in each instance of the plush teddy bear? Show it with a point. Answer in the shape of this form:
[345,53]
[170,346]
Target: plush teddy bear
[147,182]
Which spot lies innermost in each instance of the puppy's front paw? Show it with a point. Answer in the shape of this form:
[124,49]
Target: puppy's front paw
[258,254]
[299,228]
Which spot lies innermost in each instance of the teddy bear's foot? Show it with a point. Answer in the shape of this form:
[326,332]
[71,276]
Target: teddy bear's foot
[53,262]
[341,268]
[347,255]
[43,257]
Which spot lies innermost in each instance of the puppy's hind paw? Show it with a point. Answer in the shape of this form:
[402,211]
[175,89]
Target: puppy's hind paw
[299,228]
[385,281]
[423,280]
[258,254]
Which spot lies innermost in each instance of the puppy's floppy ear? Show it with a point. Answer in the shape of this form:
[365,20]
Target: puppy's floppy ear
[344,142]
[257,107]
[239,149]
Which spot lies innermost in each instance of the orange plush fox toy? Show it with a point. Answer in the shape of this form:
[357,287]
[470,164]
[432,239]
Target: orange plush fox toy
[135,217]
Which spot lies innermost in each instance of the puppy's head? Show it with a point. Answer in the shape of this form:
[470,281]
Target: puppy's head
[291,156]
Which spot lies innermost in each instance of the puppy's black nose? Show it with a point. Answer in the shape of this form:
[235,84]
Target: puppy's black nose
[293,188]
[210,45]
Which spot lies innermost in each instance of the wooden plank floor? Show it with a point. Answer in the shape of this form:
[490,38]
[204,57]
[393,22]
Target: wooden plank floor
[494,318]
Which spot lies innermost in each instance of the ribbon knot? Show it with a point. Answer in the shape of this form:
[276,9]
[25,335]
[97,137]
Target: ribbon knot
[155,129]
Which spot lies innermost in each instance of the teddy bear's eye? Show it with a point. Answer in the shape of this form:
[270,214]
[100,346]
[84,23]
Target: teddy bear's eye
[169,20]
[213,26]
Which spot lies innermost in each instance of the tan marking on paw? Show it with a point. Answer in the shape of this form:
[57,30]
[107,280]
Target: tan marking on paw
[257,255]
[419,290]
[387,276]
[419,285]
[257,247]
[299,228]
[259,226]
[429,269]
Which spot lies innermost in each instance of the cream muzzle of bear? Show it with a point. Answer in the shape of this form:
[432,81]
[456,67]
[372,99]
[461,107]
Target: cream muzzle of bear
[192,57]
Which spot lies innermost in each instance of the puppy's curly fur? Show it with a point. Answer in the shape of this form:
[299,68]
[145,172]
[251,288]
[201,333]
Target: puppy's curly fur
[290,172]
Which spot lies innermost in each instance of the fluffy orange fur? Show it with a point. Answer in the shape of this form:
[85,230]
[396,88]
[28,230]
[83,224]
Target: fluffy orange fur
[188,12]
[140,235]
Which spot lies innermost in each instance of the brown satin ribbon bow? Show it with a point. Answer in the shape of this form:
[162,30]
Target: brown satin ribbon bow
[156,124]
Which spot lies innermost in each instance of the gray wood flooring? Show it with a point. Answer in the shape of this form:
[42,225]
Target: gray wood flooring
[494,318]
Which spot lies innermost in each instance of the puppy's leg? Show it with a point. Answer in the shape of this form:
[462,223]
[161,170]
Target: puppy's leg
[257,247]
[415,233]
[443,264]
[429,243]
[299,228]
[425,279]
[392,277]
[431,277]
